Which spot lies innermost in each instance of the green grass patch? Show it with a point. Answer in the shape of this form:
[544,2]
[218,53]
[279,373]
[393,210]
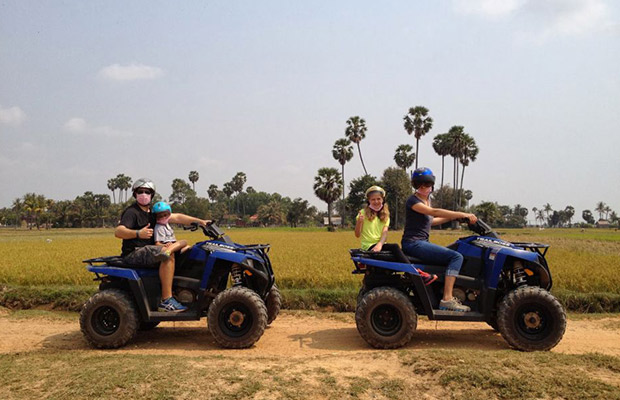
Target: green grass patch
[455,374]
[471,374]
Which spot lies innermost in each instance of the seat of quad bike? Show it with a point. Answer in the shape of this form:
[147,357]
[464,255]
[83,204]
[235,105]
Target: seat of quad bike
[112,261]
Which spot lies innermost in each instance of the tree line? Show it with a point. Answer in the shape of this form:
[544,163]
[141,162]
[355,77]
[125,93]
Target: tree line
[233,204]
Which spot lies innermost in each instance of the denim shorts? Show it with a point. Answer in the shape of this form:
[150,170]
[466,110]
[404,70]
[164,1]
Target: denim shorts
[434,254]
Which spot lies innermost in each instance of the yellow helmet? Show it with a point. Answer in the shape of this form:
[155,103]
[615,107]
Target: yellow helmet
[375,188]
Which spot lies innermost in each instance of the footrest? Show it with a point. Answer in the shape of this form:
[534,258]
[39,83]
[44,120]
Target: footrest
[172,316]
[445,315]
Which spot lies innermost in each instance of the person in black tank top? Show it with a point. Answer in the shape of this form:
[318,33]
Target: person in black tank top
[419,218]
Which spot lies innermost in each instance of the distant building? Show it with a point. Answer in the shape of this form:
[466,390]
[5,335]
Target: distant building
[603,223]
[335,221]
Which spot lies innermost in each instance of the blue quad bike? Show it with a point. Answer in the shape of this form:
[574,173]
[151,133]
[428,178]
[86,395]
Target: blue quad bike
[232,285]
[505,284]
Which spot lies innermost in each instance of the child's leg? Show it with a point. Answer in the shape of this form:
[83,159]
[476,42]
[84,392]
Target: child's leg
[176,246]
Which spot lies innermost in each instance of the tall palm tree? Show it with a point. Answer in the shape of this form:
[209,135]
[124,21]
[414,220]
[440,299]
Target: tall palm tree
[469,152]
[113,185]
[17,207]
[355,132]
[327,186]
[441,146]
[455,140]
[193,178]
[403,157]
[600,209]
[419,123]
[547,210]
[343,153]
[123,184]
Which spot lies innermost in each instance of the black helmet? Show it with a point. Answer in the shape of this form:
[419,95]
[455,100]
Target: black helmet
[422,175]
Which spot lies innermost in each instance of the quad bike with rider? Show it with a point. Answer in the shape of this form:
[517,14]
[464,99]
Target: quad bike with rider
[506,284]
[230,284]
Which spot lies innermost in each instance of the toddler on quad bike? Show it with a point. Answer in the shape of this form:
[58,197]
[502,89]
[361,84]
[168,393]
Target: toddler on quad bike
[163,232]
[419,218]
[372,226]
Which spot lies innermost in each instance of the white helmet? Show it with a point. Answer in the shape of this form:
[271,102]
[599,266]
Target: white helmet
[143,183]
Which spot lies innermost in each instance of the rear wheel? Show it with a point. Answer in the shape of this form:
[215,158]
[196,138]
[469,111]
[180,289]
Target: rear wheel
[386,318]
[273,302]
[109,319]
[530,319]
[237,318]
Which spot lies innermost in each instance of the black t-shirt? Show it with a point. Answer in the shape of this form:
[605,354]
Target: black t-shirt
[135,218]
[417,226]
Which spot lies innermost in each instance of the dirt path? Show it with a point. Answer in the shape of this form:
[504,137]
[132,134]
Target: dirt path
[298,335]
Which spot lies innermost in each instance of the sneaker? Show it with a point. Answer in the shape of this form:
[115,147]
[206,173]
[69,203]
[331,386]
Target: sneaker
[426,277]
[453,305]
[162,256]
[171,305]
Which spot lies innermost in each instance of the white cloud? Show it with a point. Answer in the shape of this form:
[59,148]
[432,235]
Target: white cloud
[81,127]
[487,8]
[75,125]
[548,18]
[13,116]
[577,17]
[131,72]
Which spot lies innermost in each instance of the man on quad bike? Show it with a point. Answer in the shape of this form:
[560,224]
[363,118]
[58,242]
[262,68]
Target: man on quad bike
[136,230]
[419,218]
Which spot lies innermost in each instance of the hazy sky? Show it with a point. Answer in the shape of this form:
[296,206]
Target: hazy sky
[90,89]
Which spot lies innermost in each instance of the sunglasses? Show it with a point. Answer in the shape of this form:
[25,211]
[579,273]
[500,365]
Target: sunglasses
[143,191]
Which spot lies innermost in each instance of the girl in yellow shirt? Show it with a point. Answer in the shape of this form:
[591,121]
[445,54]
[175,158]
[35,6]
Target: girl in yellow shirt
[373,220]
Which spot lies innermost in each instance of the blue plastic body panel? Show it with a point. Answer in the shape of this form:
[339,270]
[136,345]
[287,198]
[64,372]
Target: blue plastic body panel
[125,273]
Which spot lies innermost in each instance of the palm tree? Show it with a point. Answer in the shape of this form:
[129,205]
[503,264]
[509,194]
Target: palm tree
[600,209]
[469,152]
[441,146]
[455,139]
[404,157]
[607,211]
[123,183]
[569,211]
[212,192]
[547,209]
[113,185]
[419,123]
[355,132]
[17,208]
[193,178]
[343,153]
[327,186]
[535,211]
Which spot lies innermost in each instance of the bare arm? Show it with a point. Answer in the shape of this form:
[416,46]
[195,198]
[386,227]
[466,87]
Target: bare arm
[359,224]
[442,215]
[182,219]
[122,232]
[381,242]
[439,221]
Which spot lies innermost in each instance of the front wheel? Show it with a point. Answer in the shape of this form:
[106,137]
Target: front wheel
[109,319]
[531,319]
[385,318]
[237,318]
